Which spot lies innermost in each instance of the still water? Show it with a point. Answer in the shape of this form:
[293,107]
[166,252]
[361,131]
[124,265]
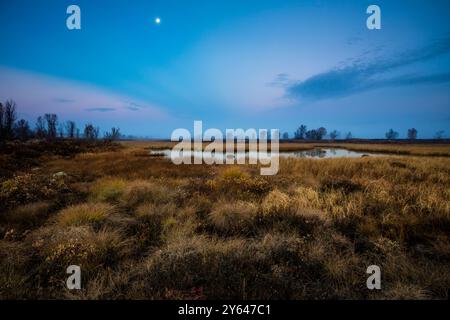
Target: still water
[317,153]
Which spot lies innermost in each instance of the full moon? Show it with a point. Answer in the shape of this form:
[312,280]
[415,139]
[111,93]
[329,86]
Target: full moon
[157,20]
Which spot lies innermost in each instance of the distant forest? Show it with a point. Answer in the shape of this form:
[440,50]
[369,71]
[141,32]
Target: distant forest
[47,127]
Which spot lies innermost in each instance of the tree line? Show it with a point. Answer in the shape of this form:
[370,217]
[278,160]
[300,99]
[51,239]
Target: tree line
[302,133]
[46,127]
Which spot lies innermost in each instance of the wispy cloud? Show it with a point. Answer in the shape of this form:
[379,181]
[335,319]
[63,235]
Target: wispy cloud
[133,106]
[37,93]
[100,109]
[359,76]
[281,80]
[63,100]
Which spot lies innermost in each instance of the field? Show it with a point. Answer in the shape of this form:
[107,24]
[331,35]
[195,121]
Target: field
[141,227]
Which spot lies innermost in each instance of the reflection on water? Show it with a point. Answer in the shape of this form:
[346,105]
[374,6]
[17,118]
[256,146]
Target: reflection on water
[313,153]
[328,153]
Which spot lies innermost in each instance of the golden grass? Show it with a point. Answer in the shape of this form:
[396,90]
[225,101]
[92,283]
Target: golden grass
[276,203]
[442,150]
[233,217]
[28,215]
[150,229]
[108,189]
[399,147]
[86,213]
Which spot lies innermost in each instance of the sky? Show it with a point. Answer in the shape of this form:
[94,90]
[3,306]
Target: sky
[271,64]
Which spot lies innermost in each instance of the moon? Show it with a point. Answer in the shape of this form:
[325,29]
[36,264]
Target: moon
[157,20]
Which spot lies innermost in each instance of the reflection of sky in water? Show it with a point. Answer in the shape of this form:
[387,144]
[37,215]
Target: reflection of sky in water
[313,153]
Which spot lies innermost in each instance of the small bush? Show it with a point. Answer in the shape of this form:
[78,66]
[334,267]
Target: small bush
[26,188]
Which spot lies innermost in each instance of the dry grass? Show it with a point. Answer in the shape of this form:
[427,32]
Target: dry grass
[432,150]
[108,189]
[399,147]
[142,227]
[233,217]
[86,213]
[276,203]
[28,215]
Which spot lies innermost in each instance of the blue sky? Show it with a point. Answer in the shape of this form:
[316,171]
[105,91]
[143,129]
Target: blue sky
[231,64]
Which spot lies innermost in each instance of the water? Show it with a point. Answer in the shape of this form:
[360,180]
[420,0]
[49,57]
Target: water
[317,153]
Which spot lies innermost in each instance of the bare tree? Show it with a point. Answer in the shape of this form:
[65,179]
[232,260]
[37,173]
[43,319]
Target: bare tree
[2,110]
[412,134]
[96,132]
[312,134]
[334,135]
[91,132]
[71,129]
[40,128]
[112,135]
[316,134]
[61,131]
[9,117]
[285,136]
[22,130]
[391,134]
[300,132]
[52,122]
[322,132]
[349,136]
[439,134]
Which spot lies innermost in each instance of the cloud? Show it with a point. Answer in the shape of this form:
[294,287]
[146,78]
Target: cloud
[36,94]
[100,109]
[63,100]
[359,76]
[354,40]
[281,80]
[133,108]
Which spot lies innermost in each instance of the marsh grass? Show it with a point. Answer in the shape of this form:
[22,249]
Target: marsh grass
[233,218]
[142,227]
[86,213]
[28,215]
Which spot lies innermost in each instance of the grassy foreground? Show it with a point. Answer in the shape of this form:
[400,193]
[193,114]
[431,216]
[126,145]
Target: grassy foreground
[141,227]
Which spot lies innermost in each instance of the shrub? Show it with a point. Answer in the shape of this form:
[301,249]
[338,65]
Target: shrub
[28,188]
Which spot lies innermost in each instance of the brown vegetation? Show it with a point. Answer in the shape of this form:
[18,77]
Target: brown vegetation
[141,227]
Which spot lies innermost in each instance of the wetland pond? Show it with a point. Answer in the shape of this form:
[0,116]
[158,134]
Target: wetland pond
[316,153]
